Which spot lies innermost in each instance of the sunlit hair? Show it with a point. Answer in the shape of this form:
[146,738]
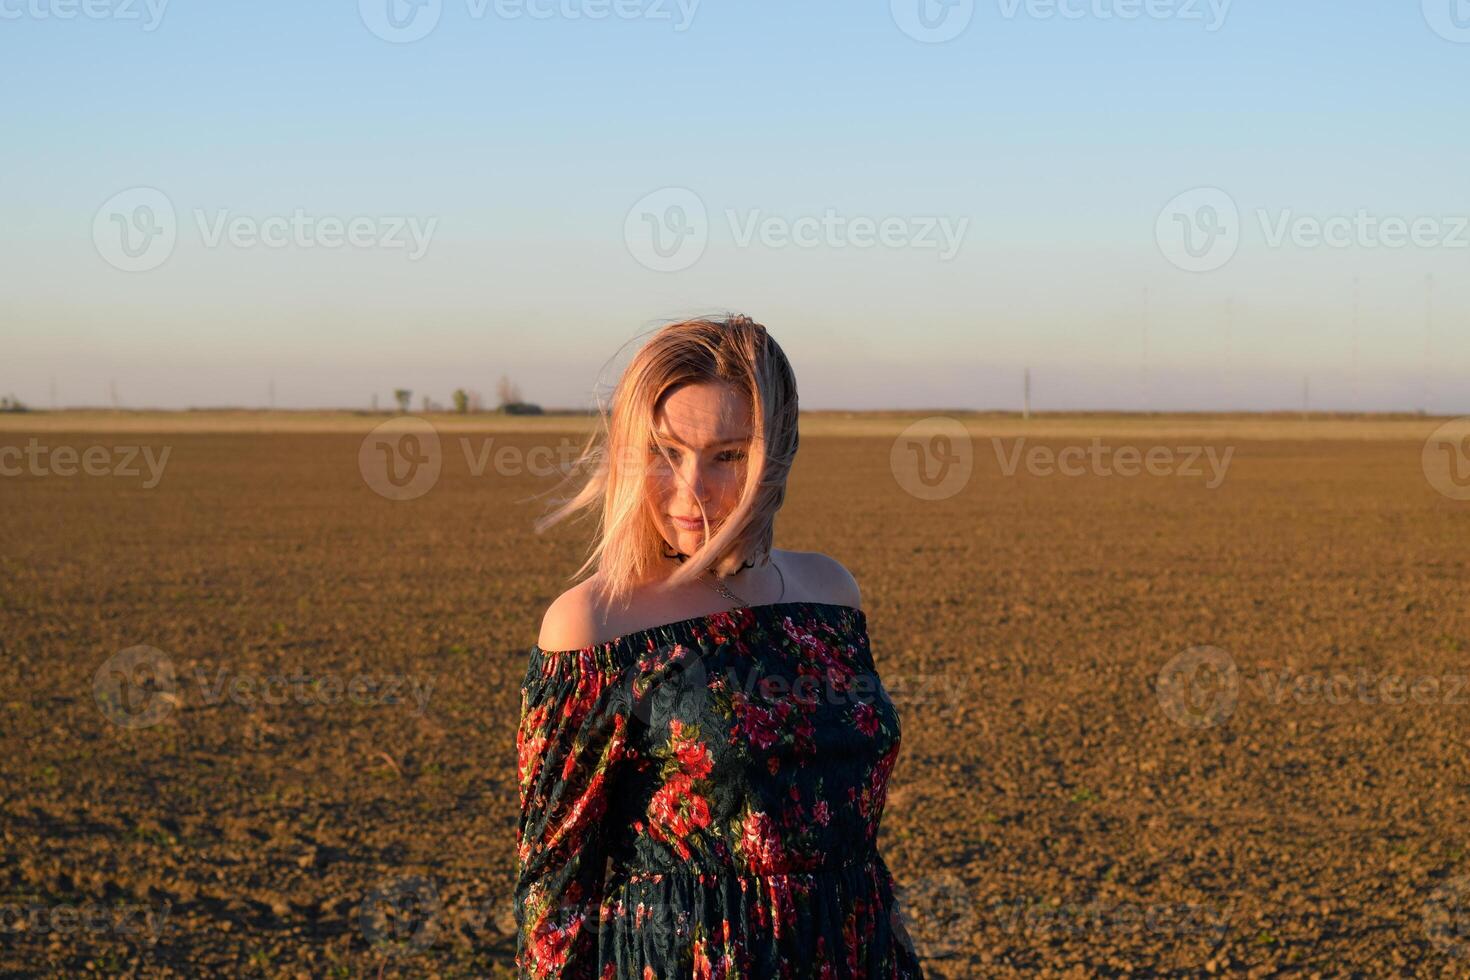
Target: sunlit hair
[616,460]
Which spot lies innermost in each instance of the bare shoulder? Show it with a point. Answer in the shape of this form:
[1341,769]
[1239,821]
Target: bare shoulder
[823,578]
[574,620]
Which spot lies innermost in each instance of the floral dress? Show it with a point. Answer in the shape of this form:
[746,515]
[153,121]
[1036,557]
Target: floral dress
[701,799]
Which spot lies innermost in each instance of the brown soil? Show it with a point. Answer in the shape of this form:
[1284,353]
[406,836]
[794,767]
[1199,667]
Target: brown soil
[1049,815]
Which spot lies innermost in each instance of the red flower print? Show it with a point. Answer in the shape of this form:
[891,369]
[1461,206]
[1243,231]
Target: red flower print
[866,718]
[694,758]
[757,724]
[729,625]
[676,810]
[761,842]
[703,968]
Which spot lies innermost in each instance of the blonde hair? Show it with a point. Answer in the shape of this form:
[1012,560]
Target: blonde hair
[628,547]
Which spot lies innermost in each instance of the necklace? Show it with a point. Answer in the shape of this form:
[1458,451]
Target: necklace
[714,580]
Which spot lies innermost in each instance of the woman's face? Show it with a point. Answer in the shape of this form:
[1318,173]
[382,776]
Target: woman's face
[705,428]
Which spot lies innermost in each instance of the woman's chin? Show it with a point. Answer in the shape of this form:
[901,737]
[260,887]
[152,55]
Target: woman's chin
[688,541]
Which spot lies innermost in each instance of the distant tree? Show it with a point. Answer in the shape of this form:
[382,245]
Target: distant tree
[12,404]
[461,401]
[404,396]
[477,404]
[507,392]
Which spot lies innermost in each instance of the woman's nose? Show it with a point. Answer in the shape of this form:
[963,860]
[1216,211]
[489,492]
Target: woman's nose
[694,480]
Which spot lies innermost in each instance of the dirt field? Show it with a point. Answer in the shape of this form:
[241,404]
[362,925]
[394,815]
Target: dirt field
[1199,720]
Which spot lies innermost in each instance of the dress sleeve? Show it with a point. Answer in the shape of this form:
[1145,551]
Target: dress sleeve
[571,738]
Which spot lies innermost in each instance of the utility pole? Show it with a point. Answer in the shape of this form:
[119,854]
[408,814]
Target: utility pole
[1229,345]
[1428,344]
[1357,307]
[112,391]
[1144,366]
[1026,395]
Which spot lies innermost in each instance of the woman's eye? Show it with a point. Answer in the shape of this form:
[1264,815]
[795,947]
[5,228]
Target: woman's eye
[732,456]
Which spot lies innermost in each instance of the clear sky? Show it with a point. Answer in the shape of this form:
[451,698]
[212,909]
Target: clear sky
[916,216]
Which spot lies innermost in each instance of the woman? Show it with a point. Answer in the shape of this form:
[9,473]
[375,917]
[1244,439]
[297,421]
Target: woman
[704,747]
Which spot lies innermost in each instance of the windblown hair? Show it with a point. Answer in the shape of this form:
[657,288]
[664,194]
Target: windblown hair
[629,548]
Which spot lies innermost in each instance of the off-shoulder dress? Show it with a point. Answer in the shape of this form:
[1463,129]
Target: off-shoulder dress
[702,799]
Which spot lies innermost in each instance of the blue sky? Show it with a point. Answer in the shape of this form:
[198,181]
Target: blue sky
[1051,146]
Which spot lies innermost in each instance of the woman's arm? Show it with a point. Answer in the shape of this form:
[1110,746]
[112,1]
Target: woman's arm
[571,738]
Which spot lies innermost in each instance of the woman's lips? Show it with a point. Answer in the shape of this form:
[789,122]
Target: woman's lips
[687,524]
